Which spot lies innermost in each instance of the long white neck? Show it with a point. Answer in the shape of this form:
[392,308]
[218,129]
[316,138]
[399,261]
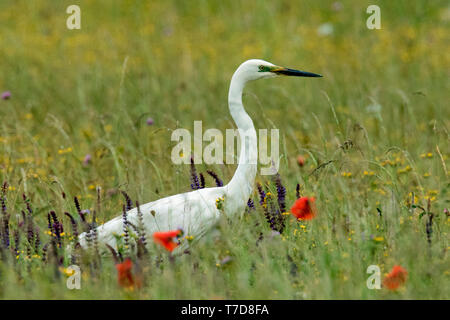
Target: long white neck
[239,189]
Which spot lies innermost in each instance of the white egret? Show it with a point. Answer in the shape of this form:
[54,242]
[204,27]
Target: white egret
[196,211]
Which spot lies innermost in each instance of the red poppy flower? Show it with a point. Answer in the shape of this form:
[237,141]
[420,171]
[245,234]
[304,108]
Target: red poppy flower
[301,161]
[124,275]
[166,239]
[395,278]
[304,208]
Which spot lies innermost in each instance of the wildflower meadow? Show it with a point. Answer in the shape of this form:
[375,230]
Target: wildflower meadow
[359,206]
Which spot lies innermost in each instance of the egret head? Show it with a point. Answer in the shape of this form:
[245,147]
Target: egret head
[259,69]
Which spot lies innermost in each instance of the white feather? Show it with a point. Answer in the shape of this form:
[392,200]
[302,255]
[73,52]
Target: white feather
[195,212]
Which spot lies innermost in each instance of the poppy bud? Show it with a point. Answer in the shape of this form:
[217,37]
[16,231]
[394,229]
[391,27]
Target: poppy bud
[301,161]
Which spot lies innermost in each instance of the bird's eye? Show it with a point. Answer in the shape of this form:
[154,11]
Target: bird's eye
[261,68]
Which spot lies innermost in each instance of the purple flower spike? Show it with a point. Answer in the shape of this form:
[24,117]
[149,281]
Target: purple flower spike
[6,95]
[150,121]
[87,159]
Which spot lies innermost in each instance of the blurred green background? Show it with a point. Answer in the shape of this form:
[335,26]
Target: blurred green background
[380,113]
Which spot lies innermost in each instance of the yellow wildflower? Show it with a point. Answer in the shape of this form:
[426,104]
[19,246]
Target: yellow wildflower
[108,128]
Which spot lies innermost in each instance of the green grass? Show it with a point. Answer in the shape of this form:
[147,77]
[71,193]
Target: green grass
[89,91]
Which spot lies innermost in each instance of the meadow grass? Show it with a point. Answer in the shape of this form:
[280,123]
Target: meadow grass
[374,132]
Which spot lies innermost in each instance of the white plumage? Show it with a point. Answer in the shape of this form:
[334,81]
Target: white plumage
[196,211]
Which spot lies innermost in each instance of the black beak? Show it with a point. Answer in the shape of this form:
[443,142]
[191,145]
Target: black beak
[296,73]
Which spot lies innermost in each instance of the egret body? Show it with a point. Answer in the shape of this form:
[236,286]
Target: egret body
[196,211]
